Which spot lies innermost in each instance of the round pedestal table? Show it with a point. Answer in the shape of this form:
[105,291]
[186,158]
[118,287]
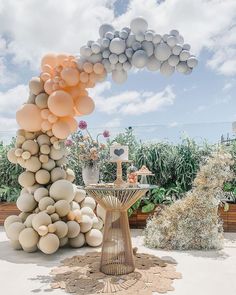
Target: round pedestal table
[117,252]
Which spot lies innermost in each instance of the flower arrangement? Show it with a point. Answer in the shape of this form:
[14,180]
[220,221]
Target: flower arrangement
[89,152]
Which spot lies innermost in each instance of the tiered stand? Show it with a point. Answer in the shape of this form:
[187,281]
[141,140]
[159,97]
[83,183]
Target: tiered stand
[117,253]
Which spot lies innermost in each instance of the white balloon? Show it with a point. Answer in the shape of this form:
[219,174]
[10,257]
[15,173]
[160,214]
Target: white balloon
[192,62]
[106,53]
[96,48]
[119,76]
[136,45]
[165,37]
[171,41]
[149,36]
[139,59]
[116,33]
[182,67]
[85,51]
[174,33]
[107,65]
[127,29]
[113,58]
[119,66]
[148,47]
[104,28]
[117,46]
[94,58]
[89,43]
[180,39]
[186,47]
[122,58]
[123,34]
[188,71]
[127,66]
[130,40]
[162,51]
[184,55]
[166,69]
[129,52]
[156,39]
[139,36]
[173,60]
[153,64]
[138,24]
[177,49]
[109,35]
[105,42]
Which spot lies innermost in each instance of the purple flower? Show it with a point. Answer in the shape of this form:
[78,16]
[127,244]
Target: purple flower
[82,125]
[68,142]
[106,133]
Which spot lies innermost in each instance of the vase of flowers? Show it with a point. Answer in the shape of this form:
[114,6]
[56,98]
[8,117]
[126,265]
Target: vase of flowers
[90,152]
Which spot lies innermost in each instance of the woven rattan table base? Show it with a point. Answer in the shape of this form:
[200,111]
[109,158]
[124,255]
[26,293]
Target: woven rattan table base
[81,275]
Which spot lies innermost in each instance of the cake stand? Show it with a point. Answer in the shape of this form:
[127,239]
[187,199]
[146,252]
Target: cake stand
[117,253]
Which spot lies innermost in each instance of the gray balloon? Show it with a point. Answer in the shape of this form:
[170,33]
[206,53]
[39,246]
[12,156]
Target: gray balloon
[127,29]
[184,55]
[177,49]
[109,35]
[107,65]
[162,51]
[173,60]
[138,24]
[96,48]
[119,66]
[119,76]
[139,59]
[105,42]
[149,36]
[148,47]
[153,64]
[113,58]
[89,43]
[174,33]
[104,28]
[122,58]
[85,51]
[127,66]
[106,53]
[136,45]
[180,39]
[123,34]
[182,67]
[139,36]
[156,39]
[186,46]
[166,69]
[171,41]
[192,62]
[165,37]
[129,52]
[117,46]
[94,58]
[116,33]
[130,40]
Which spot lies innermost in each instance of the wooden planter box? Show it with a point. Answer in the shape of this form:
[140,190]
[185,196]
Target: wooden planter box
[139,219]
[229,218]
[7,209]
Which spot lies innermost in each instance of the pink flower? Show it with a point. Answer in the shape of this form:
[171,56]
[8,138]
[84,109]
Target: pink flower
[82,125]
[106,133]
[68,142]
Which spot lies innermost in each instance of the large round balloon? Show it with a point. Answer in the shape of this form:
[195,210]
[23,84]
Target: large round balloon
[60,103]
[85,105]
[28,117]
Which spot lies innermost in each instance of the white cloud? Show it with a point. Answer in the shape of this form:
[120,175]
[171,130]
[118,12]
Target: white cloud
[114,123]
[10,101]
[131,102]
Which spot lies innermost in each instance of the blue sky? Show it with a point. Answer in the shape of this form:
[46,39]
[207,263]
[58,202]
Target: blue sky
[201,105]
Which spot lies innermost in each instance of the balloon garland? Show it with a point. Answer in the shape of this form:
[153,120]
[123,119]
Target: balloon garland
[54,211]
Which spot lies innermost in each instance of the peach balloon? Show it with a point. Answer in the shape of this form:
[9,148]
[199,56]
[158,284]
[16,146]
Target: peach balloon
[60,103]
[49,59]
[71,122]
[45,76]
[48,86]
[85,105]
[70,76]
[28,117]
[76,113]
[84,77]
[61,58]
[88,67]
[47,69]
[52,118]
[98,68]
[61,129]
[46,125]
[45,113]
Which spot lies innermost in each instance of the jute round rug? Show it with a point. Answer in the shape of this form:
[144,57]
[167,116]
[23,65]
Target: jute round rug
[81,275]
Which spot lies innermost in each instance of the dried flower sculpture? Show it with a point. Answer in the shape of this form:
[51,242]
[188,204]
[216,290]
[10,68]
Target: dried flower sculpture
[193,223]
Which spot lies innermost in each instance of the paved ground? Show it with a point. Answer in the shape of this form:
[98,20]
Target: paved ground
[204,272]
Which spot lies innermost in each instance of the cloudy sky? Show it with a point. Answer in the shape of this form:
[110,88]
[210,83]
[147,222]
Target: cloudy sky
[201,105]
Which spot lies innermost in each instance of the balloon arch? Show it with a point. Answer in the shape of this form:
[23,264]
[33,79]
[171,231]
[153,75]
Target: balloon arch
[49,201]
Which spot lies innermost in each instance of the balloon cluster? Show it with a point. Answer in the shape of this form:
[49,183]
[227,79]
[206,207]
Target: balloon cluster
[54,211]
[140,47]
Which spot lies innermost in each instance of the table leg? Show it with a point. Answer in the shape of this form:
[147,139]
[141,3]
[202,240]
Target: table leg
[117,253]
